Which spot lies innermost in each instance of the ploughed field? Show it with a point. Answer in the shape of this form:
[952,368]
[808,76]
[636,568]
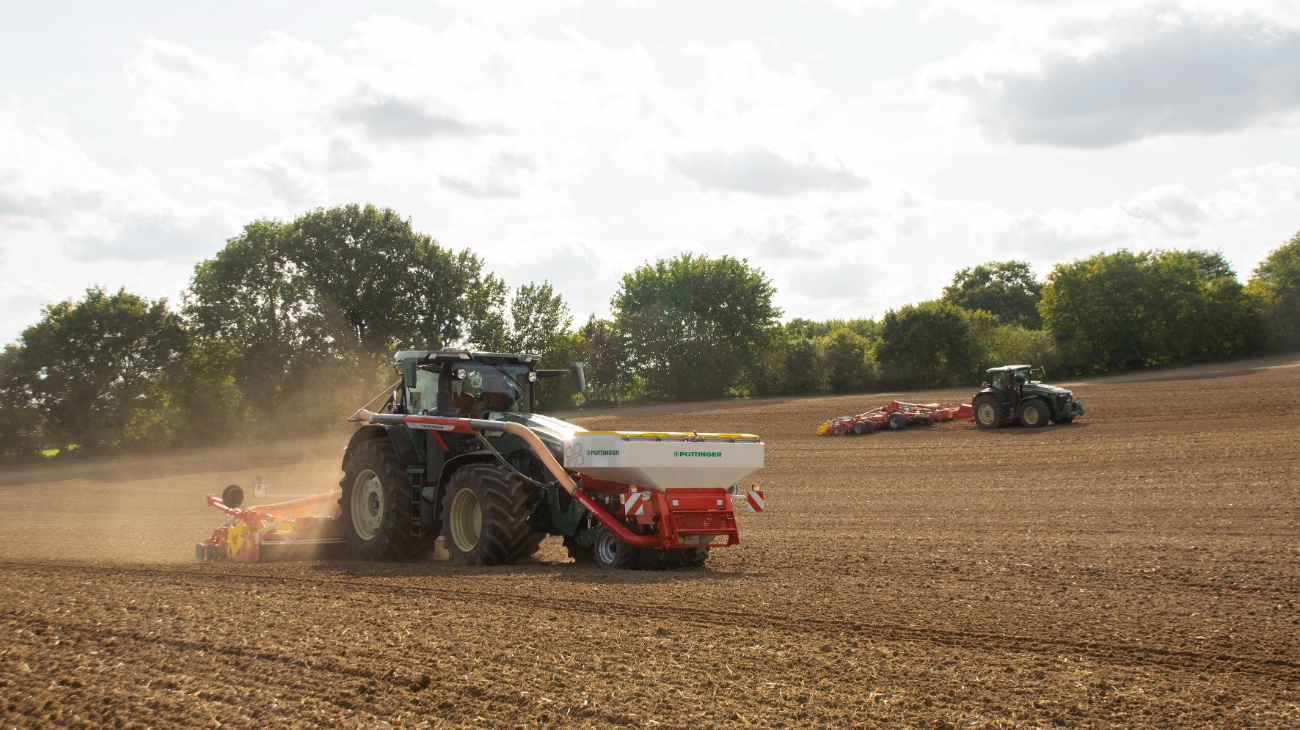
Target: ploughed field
[1138,568]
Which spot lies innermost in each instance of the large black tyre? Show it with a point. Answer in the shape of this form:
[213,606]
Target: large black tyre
[232,496]
[532,544]
[485,517]
[897,421]
[376,505]
[612,553]
[988,412]
[1034,414]
[863,428]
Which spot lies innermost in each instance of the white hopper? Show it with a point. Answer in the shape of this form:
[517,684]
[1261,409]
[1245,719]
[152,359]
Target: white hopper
[663,461]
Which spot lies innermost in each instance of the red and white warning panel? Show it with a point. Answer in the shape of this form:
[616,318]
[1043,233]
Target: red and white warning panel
[637,503]
[755,499]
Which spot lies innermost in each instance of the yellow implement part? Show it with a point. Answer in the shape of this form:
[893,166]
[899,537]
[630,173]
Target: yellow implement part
[235,539]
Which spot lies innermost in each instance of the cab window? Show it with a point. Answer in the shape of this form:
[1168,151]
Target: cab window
[424,396]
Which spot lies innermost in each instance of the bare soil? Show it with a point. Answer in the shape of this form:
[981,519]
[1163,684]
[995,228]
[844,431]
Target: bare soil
[1138,568]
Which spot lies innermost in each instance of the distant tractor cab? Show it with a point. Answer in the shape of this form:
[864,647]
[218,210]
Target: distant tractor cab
[1010,395]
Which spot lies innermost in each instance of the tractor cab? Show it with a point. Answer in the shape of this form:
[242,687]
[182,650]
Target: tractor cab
[1008,381]
[1011,395]
[464,384]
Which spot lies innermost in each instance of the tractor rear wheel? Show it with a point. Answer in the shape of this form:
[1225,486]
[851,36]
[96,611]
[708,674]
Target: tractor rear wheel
[485,517]
[988,412]
[376,505]
[611,552]
[897,421]
[1034,414]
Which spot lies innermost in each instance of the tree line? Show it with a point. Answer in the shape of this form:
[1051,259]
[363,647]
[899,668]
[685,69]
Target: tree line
[292,325]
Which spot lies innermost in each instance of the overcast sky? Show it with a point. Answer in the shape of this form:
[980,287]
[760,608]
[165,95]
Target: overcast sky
[858,152]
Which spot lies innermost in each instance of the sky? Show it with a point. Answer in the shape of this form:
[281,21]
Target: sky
[859,153]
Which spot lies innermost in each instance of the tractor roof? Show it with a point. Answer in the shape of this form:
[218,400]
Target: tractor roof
[1009,368]
[454,354]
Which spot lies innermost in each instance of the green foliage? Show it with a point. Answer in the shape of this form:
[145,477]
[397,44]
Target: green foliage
[383,286]
[538,318]
[789,364]
[21,428]
[1016,345]
[868,329]
[847,361]
[603,349]
[1276,287]
[1006,289]
[931,344]
[93,370]
[694,324]
[306,312]
[254,317]
[1126,310]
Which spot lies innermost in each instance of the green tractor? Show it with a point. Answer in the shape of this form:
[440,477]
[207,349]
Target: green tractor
[459,452]
[1009,396]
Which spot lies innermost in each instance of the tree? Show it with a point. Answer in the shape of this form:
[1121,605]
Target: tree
[538,318]
[308,313]
[22,427]
[253,312]
[605,356]
[1006,289]
[382,285]
[846,358]
[693,323]
[1126,310]
[790,364]
[930,344]
[1277,282]
[94,369]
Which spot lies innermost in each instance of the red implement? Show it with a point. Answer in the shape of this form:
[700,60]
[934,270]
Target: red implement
[896,416]
[247,531]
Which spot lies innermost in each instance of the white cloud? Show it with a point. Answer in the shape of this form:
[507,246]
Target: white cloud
[761,172]
[48,185]
[1130,76]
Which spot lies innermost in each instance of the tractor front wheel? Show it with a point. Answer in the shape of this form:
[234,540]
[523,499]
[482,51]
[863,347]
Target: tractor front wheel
[376,505]
[485,517]
[988,412]
[1034,414]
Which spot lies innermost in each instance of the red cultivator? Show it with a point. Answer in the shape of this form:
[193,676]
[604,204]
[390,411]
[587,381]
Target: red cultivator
[896,416]
[309,522]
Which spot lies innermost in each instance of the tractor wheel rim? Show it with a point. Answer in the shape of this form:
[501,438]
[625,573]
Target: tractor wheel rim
[466,520]
[985,413]
[367,504]
[607,548]
[1030,416]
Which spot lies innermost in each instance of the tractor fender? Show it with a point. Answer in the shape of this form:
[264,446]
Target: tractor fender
[395,434]
[456,462]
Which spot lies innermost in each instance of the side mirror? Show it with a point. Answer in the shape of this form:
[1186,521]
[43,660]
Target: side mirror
[984,384]
[579,375]
[410,366]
